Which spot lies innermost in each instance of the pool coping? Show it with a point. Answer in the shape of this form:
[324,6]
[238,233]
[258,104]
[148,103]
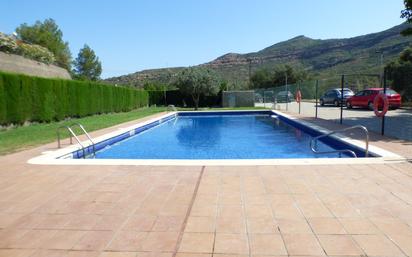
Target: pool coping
[64,156]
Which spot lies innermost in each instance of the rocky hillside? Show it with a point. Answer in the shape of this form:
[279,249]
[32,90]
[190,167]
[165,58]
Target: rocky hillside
[322,58]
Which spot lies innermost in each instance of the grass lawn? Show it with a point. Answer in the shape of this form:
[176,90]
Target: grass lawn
[24,137]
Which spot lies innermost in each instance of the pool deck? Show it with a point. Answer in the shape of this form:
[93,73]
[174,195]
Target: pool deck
[205,211]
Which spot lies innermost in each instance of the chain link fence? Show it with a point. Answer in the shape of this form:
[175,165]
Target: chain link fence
[354,105]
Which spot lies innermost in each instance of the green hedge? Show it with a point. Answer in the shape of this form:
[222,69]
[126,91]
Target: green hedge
[25,98]
[177,98]
[156,97]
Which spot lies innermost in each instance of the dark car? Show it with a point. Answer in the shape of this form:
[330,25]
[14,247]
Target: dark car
[284,96]
[333,96]
[366,97]
[258,98]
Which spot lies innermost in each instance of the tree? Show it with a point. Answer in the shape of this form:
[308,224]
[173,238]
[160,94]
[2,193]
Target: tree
[400,74]
[261,79]
[196,82]
[48,35]
[224,85]
[406,55]
[265,79]
[407,14]
[87,65]
[293,75]
[154,86]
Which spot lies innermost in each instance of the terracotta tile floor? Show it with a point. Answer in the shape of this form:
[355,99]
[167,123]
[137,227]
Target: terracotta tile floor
[121,211]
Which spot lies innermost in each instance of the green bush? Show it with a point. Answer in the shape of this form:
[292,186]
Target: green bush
[8,44]
[62,106]
[13,99]
[25,98]
[3,115]
[34,52]
[156,97]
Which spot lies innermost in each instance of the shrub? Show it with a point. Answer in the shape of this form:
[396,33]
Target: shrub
[177,98]
[25,98]
[400,74]
[3,117]
[13,99]
[156,97]
[8,44]
[34,52]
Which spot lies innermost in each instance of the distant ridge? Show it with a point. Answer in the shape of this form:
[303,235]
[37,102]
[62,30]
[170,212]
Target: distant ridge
[322,58]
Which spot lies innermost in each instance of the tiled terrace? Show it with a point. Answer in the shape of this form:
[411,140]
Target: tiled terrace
[122,211]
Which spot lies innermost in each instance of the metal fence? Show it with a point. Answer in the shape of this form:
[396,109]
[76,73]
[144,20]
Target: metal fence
[238,98]
[322,99]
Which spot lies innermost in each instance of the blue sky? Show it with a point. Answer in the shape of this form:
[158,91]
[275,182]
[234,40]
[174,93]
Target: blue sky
[132,35]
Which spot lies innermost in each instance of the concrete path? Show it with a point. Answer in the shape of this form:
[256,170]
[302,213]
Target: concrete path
[398,123]
[204,211]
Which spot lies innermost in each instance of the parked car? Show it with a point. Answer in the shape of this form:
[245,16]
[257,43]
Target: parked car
[258,98]
[268,96]
[333,96]
[284,96]
[365,98]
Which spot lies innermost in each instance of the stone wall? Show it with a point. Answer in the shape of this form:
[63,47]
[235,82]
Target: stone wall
[17,64]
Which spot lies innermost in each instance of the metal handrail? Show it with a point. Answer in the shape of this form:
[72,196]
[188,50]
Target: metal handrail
[58,135]
[334,151]
[72,134]
[87,135]
[364,129]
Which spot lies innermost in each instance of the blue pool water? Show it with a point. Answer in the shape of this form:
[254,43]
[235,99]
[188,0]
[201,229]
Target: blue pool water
[217,137]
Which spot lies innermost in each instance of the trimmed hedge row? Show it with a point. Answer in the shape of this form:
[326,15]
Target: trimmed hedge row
[177,98]
[25,98]
[157,97]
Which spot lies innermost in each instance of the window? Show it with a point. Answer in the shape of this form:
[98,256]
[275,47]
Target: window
[331,94]
[361,93]
[346,92]
[389,91]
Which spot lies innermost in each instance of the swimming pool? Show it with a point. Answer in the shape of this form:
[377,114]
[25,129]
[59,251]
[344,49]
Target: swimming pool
[215,138]
[258,135]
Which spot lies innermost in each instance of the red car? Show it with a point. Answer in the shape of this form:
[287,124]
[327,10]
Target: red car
[365,98]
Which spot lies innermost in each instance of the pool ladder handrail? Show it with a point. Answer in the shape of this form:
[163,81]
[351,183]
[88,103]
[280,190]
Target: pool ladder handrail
[72,134]
[363,128]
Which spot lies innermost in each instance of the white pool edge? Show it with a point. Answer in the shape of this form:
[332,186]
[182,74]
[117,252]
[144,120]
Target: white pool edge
[54,157]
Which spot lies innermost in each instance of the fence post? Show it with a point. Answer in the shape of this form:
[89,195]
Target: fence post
[300,96]
[384,92]
[287,96]
[316,97]
[264,103]
[341,105]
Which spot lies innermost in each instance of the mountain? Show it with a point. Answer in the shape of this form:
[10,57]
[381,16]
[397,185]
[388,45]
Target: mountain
[321,58]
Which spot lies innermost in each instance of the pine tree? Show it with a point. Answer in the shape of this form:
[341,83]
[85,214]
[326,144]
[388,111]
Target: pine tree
[407,14]
[87,65]
[47,34]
